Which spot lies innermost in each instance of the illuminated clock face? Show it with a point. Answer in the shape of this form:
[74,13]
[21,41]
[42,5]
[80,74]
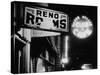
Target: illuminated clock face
[82,27]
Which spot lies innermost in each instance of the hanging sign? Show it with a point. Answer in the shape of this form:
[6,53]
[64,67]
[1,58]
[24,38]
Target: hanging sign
[41,18]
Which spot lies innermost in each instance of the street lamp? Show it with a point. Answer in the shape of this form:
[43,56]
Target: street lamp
[82,27]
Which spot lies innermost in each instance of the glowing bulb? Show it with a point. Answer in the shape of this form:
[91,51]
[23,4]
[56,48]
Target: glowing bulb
[64,60]
[86,66]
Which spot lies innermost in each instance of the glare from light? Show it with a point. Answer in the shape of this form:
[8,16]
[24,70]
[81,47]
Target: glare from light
[63,65]
[65,58]
[66,46]
[64,61]
[82,27]
[86,66]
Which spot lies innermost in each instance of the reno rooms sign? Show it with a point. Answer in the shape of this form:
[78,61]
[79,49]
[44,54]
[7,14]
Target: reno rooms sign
[46,19]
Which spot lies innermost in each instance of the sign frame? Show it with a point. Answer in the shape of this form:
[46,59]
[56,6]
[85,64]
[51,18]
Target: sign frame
[46,29]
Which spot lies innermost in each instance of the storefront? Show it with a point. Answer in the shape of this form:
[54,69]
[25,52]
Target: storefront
[41,37]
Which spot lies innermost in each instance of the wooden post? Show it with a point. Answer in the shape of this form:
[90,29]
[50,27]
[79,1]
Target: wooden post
[26,51]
